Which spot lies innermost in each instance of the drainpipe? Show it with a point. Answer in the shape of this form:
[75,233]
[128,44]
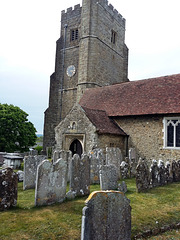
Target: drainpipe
[63,60]
[127,148]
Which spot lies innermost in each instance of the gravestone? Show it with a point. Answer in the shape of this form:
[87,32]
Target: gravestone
[142,176]
[66,155]
[161,173]
[169,178]
[108,177]
[122,187]
[154,170]
[80,175]
[132,161]
[20,175]
[106,216]
[30,170]
[124,170]
[51,182]
[97,159]
[8,188]
[114,156]
[178,170]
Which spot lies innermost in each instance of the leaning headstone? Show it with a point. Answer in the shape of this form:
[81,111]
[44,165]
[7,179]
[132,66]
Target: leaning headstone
[124,170]
[114,156]
[96,160]
[8,188]
[154,170]
[80,175]
[108,177]
[122,187]
[51,182]
[142,176]
[30,170]
[106,216]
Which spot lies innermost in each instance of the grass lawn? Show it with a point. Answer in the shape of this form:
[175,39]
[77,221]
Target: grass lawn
[156,208]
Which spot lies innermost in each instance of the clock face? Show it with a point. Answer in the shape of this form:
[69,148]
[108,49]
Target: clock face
[71,70]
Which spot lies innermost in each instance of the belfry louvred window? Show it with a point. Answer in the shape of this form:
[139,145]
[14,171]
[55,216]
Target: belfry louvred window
[74,34]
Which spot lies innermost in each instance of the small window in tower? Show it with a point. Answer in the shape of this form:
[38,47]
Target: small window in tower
[113,36]
[74,34]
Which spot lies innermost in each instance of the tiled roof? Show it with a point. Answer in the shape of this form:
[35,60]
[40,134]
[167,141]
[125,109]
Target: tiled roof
[150,96]
[102,122]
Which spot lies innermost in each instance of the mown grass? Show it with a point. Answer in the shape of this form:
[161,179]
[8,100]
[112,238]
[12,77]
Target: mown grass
[157,207]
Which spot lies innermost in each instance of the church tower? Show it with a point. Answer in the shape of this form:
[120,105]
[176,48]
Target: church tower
[91,52]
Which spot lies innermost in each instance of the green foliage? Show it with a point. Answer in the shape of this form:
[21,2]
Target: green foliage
[16,132]
[39,149]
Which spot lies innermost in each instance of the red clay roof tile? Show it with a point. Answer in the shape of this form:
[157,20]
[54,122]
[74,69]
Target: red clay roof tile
[150,96]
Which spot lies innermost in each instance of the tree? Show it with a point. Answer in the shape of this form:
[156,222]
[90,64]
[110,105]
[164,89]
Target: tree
[16,132]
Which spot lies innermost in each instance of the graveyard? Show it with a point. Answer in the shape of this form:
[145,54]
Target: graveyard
[152,211]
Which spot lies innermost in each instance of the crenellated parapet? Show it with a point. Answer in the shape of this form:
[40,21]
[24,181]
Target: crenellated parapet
[109,8]
[71,12]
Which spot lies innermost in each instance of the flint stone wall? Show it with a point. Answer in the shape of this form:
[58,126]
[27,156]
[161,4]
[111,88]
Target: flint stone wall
[8,188]
[108,177]
[106,216]
[30,170]
[51,182]
[80,175]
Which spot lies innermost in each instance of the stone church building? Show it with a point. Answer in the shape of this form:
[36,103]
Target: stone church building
[92,103]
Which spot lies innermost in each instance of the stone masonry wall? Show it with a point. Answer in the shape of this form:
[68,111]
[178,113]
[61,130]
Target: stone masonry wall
[84,131]
[146,136]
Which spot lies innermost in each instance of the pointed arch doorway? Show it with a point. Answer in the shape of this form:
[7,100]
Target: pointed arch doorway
[76,147]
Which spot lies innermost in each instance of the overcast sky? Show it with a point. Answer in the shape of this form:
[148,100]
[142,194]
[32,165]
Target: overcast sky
[29,30]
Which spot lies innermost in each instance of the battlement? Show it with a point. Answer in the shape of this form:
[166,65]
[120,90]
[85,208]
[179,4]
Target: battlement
[70,12]
[112,11]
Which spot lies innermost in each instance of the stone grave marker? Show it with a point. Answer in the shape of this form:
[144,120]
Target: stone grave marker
[108,177]
[114,156]
[142,176]
[80,175]
[106,216]
[8,188]
[30,170]
[51,182]
[97,159]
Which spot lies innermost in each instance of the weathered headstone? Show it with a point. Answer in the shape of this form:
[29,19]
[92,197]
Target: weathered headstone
[20,175]
[142,176]
[106,216]
[30,170]
[8,188]
[114,156]
[108,177]
[161,173]
[124,170]
[51,182]
[132,161]
[169,178]
[154,170]
[80,175]
[122,187]
[97,159]
[66,155]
